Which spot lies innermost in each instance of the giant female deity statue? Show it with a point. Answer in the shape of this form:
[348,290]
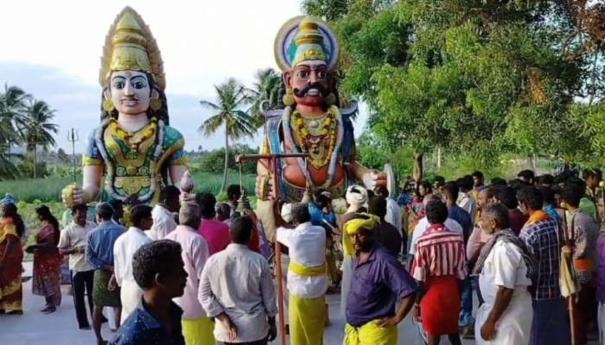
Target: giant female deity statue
[312,122]
[134,150]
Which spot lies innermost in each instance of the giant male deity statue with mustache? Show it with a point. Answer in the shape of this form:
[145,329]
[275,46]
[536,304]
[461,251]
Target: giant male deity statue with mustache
[312,122]
[134,150]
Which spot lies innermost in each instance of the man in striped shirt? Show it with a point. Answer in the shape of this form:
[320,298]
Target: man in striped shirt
[541,235]
[439,266]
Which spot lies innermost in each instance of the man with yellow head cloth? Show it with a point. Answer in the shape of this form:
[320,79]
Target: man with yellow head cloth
[379,281]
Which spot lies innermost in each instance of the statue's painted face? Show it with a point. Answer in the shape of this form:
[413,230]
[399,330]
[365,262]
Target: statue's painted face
[130,92]
[310,82]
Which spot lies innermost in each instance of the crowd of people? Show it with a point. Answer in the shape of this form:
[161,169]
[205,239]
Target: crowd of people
[194,271]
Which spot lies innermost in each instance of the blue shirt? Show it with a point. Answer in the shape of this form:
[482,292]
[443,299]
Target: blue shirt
[318,217]
[463,218]
[550,209]
[376,287]
[404,199]
[99,244]
[140,328]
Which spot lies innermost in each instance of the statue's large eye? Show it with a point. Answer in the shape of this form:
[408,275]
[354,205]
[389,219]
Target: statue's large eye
[303,74]
[118,84]
[322,74]
[139,85]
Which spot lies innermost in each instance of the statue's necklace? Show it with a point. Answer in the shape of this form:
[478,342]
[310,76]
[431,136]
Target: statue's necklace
[133,140]
[315,135]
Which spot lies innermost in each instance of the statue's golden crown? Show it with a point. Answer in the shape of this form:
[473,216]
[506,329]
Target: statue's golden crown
[130,46]
[309,33]
[309,41]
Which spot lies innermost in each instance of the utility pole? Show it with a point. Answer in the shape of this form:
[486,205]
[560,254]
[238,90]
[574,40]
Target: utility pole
[72,136]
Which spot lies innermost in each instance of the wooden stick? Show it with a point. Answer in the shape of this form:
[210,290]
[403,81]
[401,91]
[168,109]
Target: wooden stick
[602,217]
[255,157]
[280,287]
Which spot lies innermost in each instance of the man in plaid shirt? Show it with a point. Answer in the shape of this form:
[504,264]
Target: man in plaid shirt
[541,235]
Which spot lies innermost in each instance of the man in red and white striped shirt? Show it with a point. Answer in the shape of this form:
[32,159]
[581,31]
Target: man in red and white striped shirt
[439,266]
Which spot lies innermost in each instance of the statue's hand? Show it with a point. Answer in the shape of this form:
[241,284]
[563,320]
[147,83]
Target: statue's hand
[264,187]
[187,197]
[187,183]
[73,195]
[374,178]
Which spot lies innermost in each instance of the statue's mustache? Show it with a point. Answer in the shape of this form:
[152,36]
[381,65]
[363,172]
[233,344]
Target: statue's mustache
[129,98]
[323,91]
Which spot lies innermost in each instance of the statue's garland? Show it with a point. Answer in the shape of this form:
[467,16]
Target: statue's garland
[333,154]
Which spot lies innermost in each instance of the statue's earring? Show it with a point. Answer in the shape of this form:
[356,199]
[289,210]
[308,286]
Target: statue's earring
[155,104]
[288,98]
[108,105]
[331,99]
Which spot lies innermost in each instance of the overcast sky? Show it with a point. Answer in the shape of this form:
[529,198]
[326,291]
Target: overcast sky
[52,49]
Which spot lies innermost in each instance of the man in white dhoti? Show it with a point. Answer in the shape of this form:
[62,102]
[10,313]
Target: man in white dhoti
[307,277]
[504,267]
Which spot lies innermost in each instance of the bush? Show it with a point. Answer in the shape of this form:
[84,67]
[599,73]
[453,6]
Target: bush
[214,161]
[26,168]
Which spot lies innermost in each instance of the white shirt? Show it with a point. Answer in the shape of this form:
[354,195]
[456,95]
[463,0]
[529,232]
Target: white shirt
[163,223]
[504,266]
[307,247]
[238,282]
[123,251]
[74,236]
[466,202]
[393,215]
[423,225]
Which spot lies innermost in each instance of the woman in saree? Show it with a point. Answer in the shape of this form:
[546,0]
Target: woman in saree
[47,261]
[11,256]
[416,209]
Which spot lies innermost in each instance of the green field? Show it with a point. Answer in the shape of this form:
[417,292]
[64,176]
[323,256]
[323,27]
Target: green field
[49,190]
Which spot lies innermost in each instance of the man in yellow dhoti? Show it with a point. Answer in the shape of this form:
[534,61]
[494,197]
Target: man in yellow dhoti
[307,278]
[378,282]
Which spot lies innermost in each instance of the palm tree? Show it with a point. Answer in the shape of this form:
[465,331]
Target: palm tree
[231,97]
[266,88]
[37,129]
[12,105]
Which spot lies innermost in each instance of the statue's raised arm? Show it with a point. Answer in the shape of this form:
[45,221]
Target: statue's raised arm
[134,150]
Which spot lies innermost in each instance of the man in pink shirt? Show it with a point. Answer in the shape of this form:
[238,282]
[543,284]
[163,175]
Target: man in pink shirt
[478,238]
[197,327]
[215,232]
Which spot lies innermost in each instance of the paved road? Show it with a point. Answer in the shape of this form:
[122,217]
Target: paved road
[60,328]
